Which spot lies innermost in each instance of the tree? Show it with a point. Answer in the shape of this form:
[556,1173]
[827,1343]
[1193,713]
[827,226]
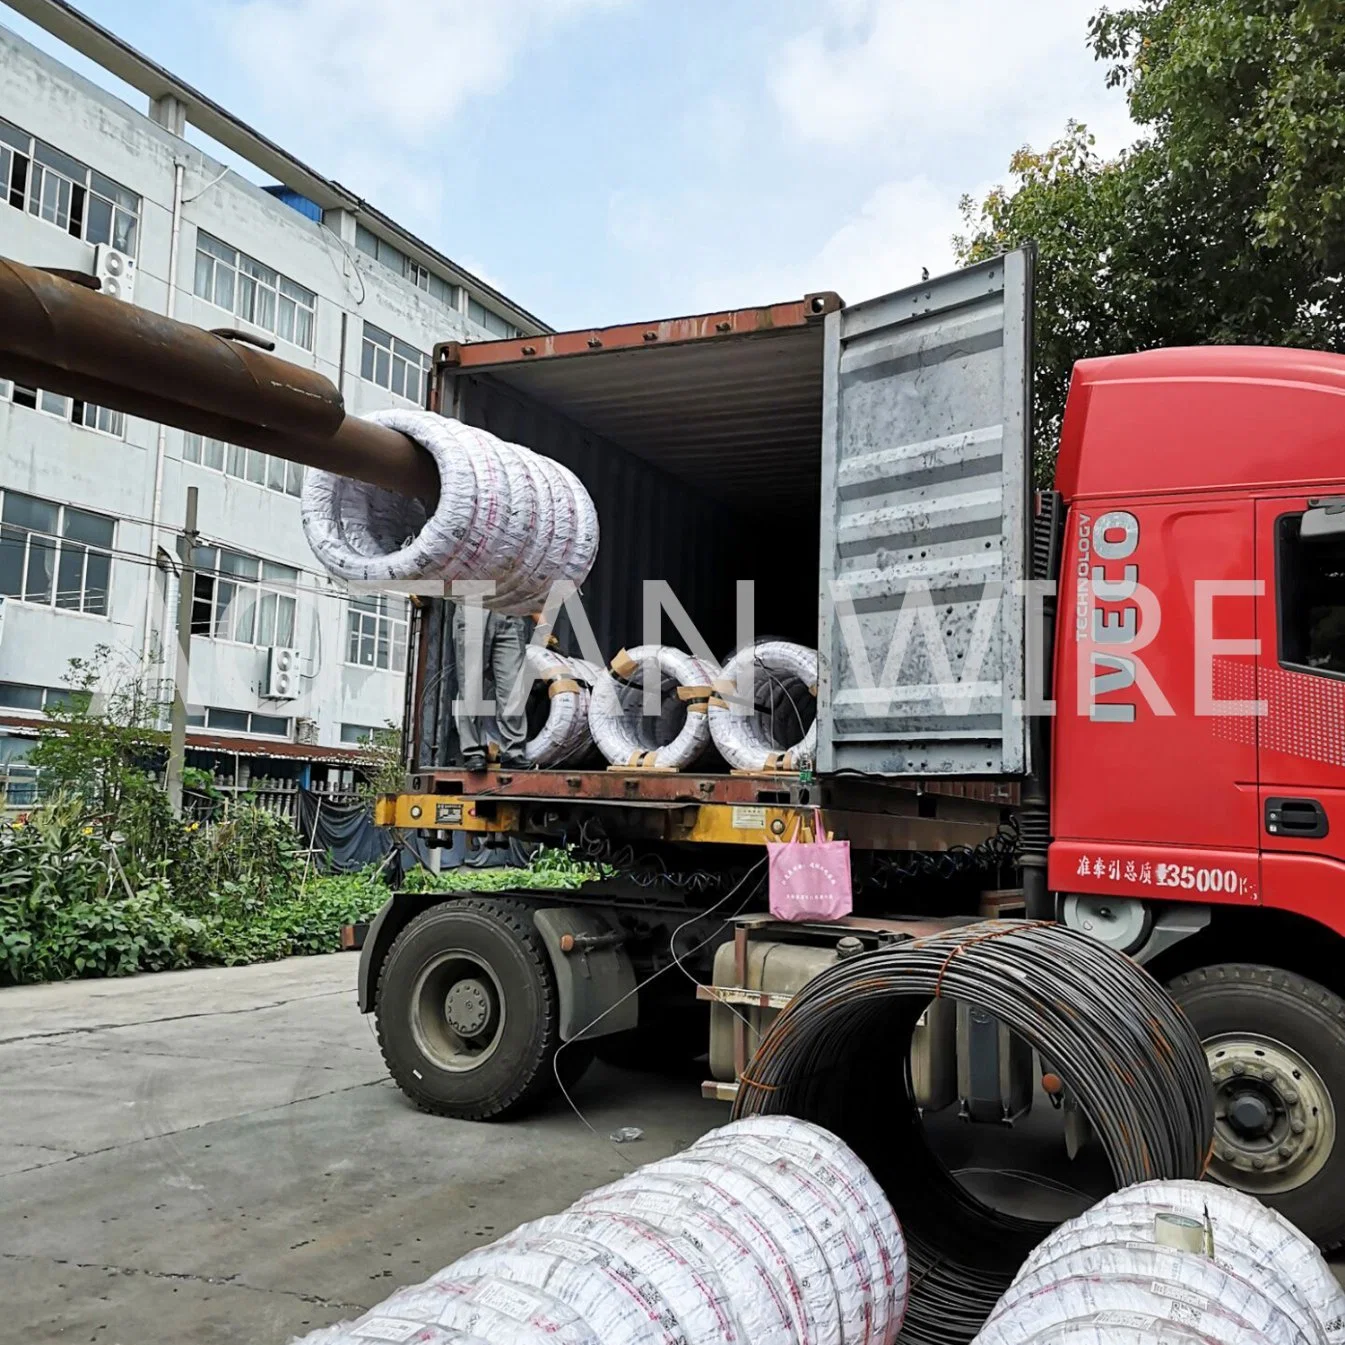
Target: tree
[101,739]
[1225,222]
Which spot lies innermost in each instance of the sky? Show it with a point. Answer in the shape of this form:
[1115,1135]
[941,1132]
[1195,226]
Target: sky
[602,161]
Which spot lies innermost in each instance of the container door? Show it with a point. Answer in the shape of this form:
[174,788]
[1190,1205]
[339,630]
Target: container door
[925,451]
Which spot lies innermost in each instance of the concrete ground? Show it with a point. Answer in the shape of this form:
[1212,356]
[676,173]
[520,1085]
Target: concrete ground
[218,1155]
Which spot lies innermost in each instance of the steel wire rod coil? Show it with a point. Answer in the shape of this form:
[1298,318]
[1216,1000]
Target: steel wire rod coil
[839,1055]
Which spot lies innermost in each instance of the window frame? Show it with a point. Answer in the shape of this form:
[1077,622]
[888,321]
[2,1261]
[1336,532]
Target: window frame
[248,593]
[75,412]
[230,453]
[45,695]
[204,725]
[264,286]
[509,331]
[392,258]
[85,183]
[395,353]
[384,632]
[59,544]
[367,730]
[1282,607]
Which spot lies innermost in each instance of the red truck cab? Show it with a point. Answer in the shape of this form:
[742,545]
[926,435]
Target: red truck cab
[1198,763]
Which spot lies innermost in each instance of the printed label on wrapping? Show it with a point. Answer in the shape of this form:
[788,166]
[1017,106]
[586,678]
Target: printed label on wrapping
[387,1328]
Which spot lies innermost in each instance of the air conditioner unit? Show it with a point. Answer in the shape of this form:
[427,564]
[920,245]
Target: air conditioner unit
[306,732]
[115,272]
[282,673]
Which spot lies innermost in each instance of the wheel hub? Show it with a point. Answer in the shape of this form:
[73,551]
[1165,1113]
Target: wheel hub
[457,1010]
[467,1007]
[1274,1122]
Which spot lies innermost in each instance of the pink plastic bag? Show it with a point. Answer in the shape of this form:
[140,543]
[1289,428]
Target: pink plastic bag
[810,879]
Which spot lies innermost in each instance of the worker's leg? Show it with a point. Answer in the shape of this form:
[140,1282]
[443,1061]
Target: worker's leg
[508,658]
[469,656]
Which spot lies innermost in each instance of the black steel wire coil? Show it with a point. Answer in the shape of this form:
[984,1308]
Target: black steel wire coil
[840,1055]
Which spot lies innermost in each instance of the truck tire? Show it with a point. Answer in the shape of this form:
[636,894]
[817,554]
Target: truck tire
[1276,1046]
[467,1011]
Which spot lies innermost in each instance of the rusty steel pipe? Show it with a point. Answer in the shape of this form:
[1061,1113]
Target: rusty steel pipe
[71,340]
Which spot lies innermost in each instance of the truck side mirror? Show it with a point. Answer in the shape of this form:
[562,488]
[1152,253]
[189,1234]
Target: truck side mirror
[1323,518]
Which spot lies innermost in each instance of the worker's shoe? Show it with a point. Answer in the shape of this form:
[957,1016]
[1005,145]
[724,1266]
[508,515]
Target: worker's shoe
[514,761]
[475,761]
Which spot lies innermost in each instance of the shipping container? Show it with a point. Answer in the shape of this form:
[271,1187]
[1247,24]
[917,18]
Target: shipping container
[852,461]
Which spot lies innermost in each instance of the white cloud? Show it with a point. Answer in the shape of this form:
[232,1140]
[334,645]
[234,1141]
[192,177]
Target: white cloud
[399,69]
[879,116]
[911,70]
[903,226]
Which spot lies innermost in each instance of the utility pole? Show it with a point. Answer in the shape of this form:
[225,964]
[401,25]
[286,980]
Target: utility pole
[177,742]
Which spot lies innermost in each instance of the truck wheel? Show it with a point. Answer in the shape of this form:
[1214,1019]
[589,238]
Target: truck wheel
[1275,1042]
[467,1011]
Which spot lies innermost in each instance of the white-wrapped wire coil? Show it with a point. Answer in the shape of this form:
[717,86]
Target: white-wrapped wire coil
[1111,1242]
[757,1235]
[564,735]
[869,1210]
[505,515]
[679,735]
[1121,1328]
[1079,1297]
[777,728]
[1239,1222]
[1258,1282]
[1141,1271]
[755,1283]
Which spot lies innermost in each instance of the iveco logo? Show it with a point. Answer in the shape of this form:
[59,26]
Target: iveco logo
[1112,539]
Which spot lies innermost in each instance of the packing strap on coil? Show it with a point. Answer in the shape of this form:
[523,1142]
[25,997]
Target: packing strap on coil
[623,665]
[693,693]
[724,695]
[561,685]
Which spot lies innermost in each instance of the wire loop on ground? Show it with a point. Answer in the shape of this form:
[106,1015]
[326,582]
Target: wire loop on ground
[839,1055]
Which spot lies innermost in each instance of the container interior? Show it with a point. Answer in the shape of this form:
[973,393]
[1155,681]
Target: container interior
[704,462]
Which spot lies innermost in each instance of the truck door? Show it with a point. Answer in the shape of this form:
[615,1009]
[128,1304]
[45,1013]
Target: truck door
[1301,680]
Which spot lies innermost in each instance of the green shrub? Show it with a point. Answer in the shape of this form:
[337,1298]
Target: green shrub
[550,870]
[103,880]
[78,901]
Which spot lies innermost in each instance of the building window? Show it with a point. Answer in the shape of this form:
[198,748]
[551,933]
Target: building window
[491,321]
[232,280]
[113,214]
[239,721]
[55,555]
[21,696]
[445,291]
[395,260]
[243,599]
[50,184]
[360,735]
[65,408]
[394,365]
[1311,582]
[244,463]
[376,632]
